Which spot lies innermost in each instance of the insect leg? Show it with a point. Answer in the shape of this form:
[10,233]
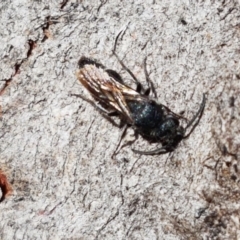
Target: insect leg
[197,115]
[148,80]
[122,64]
[162,150]
[119,142]
[121,138]
[140,90]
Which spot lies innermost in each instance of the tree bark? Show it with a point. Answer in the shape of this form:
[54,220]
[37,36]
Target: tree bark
[56,149]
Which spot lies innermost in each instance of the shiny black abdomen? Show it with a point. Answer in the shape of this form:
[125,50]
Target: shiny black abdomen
[147,117]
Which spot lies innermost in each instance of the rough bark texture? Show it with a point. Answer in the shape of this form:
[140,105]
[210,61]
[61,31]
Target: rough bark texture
[55,149]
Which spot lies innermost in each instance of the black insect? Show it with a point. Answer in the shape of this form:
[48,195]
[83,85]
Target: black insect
[153,121]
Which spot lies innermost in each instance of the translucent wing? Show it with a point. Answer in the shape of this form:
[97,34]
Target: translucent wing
[106,90]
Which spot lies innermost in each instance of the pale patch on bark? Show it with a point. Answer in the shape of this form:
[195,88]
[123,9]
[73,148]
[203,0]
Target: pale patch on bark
[56,149]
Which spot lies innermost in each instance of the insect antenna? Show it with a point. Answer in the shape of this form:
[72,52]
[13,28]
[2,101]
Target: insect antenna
[197,116]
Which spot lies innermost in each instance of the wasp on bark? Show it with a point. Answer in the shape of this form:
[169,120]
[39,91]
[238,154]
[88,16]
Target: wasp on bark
[153,121]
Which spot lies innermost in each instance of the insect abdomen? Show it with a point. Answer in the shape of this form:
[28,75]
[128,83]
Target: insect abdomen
[145,114]
[147,117]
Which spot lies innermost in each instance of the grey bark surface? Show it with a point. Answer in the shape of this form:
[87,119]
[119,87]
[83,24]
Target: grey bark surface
[55,149]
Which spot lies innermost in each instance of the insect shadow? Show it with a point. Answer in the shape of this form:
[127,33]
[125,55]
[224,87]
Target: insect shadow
[112,97]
